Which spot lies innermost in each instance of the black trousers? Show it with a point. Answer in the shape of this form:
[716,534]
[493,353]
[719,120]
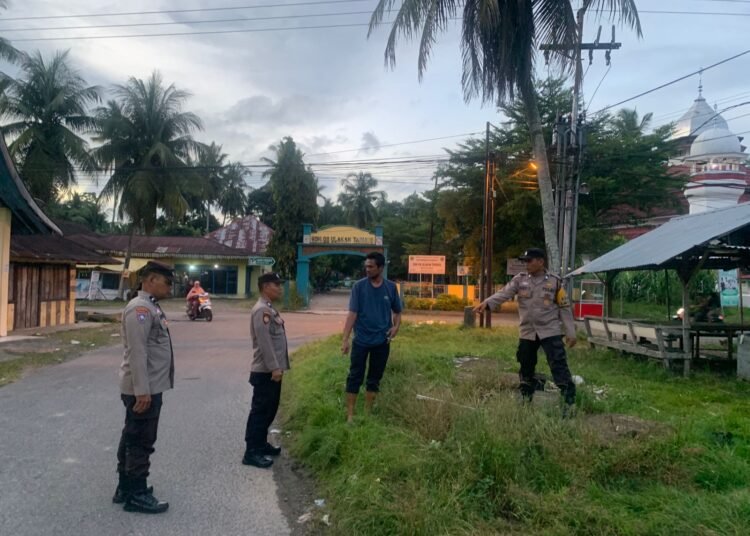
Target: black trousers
[378,359]
[263,408]
[137,439]
[558,364]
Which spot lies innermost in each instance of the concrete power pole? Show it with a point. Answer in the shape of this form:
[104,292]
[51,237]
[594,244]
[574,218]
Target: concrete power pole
[570,141]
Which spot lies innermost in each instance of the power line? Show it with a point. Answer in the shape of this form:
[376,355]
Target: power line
[672,82]
[187,22]
[195,10]
[207,32]
[250,19]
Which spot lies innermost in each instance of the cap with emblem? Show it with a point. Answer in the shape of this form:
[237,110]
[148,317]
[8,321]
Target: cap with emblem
[271,277]
[532,253]
[153,267]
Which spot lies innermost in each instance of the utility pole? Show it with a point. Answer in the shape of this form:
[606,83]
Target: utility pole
[570,138]
[432,217]
[490,230]
[483,242]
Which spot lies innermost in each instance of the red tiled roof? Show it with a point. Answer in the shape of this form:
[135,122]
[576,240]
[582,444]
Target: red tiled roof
[247,234]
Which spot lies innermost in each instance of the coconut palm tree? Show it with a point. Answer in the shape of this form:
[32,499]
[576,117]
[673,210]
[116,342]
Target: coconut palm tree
[7,51]
[628,121]
[48,111]
[232,195]
[146,140]
[498,42]
[358,198]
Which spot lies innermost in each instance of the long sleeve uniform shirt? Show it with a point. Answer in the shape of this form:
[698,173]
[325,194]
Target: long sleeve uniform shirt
[148,361]
[542,305]
[268,335]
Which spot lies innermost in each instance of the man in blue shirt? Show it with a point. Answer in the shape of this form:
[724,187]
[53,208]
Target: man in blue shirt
[375,315]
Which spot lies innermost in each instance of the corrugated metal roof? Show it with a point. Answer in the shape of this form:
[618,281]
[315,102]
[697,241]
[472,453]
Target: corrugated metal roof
[53,249]
[158,246]
[674,239]
[248,234]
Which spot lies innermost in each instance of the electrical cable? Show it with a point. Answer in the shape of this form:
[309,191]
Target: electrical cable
[194,10]
[186,22]
[672,82]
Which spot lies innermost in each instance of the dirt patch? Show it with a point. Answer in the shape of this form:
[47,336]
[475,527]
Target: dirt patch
[613,427]
[295,488]
[41,345]
[472,369]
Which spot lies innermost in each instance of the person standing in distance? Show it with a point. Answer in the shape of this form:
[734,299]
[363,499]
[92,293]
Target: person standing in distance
[542,305]
[270,360]
[147,371]
[375,315]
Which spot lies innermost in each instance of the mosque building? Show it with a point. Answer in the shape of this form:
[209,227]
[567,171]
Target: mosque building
[713,158]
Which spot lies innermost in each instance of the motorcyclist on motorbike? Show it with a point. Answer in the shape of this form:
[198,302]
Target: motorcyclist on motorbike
[193,297]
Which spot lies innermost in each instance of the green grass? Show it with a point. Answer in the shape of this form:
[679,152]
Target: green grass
[419,467]
[13,366]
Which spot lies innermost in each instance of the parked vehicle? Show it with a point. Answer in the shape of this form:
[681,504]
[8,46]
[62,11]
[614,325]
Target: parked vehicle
[199,306]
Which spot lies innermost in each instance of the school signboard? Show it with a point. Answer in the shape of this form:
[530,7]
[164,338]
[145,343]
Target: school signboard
[427,264]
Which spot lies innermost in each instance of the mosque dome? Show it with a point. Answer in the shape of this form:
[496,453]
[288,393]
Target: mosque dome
[698,119]
[716,140]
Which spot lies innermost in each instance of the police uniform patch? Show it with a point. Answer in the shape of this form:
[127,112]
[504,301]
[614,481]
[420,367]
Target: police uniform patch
[562,298]
[266,318]
[141,313]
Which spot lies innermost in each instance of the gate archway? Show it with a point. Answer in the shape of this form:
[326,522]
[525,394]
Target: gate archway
[334,240]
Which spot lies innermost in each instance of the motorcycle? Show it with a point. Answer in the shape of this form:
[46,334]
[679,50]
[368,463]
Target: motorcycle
[200,307]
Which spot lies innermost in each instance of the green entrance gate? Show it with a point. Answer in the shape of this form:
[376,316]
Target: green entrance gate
[334,240]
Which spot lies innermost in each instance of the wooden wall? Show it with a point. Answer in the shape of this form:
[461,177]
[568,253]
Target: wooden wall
[41,295]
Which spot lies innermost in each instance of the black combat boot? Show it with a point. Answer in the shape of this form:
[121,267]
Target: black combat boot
[568,394]
[141,499]
[527,392]
[122,490]
[270,450]
[256,458]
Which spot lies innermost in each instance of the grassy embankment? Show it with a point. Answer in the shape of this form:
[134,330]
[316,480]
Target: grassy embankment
[52,349]
[422,467]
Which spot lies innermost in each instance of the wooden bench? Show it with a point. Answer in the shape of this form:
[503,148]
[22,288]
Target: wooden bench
[634,338]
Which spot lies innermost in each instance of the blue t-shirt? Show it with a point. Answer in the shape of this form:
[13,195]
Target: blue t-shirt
[373,306]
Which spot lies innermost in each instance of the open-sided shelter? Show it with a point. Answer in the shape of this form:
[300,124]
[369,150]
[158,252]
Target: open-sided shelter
[718,239]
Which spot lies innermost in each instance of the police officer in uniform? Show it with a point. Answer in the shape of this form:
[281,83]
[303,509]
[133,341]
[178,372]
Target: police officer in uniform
[147,371]
[542,305]
[270,360]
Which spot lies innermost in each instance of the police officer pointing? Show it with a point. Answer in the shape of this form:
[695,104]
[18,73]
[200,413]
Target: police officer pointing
[542,305]
[270,360]
[147,371]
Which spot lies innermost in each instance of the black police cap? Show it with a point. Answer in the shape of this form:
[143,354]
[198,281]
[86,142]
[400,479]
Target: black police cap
[533,253]
[153,267]
[271,277]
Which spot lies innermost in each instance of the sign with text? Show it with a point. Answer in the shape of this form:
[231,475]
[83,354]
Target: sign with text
[260,261]
[462,270]
[342,234]
[427,264]
[730,290]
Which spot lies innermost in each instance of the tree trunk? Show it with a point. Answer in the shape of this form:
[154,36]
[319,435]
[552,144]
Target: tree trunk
[528,94]
[128,254]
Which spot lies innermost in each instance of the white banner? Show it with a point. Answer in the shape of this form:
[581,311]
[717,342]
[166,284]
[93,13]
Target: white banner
[427,264]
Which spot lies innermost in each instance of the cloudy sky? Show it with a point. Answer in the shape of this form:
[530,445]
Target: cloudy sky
[328,87]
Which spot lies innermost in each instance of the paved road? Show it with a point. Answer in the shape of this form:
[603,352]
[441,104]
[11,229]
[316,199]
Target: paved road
[59,428]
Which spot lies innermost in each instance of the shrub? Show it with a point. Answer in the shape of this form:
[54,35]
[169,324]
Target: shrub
[448,302]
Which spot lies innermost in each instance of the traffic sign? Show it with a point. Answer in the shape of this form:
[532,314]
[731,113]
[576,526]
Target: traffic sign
[260,261]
